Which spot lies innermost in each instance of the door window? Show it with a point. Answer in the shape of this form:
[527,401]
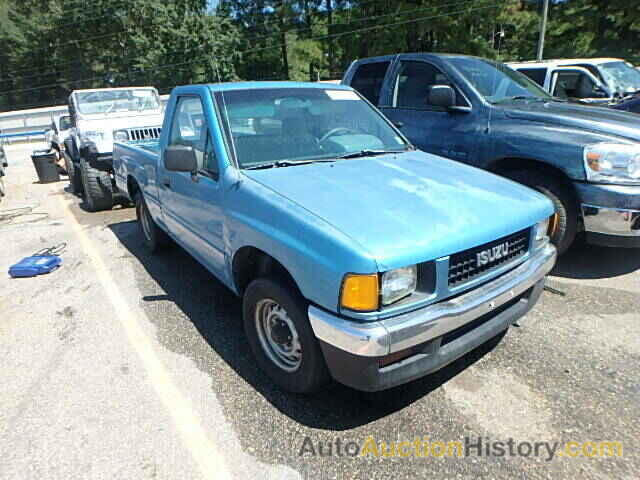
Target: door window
[413,83]
[189,128]
[575,84]
[368,80]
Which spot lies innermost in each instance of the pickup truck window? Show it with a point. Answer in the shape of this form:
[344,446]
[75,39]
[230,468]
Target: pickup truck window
[497,82]
[189,128]
[574,84]
[368,80]
[413,82]
[303,124]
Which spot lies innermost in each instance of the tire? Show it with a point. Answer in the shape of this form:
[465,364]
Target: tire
[98,191]
[564,224]
[2,189]
[75,179]
[309,373]
[155,239]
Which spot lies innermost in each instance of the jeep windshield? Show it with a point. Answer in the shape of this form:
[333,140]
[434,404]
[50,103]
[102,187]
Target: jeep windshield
[497,82]
[624,78]
[109,101]
[284,126]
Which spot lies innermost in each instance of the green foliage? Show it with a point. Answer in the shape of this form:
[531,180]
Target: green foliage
[52,47]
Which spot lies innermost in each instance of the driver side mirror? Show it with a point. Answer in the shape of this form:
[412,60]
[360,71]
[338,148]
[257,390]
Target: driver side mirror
[180,158]
[441,96]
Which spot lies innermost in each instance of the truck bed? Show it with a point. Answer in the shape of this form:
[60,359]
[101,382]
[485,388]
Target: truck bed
[137,160]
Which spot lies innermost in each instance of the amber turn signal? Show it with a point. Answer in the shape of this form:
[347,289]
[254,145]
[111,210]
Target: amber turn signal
[360,292]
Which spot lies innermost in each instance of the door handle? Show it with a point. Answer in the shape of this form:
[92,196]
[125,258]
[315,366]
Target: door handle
[399,124]
[166,183]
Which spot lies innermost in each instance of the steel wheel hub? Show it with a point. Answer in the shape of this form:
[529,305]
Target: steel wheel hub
[278,335]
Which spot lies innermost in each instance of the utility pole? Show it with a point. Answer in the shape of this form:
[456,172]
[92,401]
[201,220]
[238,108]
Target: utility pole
[543,28]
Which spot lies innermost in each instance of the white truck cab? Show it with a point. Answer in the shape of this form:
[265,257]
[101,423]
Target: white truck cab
[589,80]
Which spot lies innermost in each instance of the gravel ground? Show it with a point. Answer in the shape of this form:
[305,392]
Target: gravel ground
[82,396]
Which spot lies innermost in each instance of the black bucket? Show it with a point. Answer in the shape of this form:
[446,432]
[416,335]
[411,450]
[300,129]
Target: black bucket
[46,167]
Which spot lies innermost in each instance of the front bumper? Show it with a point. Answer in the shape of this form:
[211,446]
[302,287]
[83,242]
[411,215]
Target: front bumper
[611,214]
[433,336]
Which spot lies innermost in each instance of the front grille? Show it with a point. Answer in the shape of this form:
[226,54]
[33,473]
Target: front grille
[464,266]
[144,133]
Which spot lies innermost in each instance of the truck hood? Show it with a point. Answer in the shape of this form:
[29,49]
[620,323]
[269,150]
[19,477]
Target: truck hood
[596,119]
[117,122]
[411,207]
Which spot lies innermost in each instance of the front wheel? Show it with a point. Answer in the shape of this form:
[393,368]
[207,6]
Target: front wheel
[563,225]
[281,338]
[98,190]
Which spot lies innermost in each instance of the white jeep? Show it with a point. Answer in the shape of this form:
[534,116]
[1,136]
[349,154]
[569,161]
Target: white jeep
[129,114]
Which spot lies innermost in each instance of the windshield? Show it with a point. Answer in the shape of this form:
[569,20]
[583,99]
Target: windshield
[623,77]
[497,82]
[108,101]
[303,124]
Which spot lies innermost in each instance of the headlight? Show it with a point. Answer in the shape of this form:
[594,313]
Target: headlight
[612,163]
[398,283]
[540,232]
[121,136]
[91,136]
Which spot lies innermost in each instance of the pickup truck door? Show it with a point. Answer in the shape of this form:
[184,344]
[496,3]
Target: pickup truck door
[578,84]
[191,202]
[430,128]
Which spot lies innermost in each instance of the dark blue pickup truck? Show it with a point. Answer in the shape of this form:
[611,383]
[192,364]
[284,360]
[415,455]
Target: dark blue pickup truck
[585,159]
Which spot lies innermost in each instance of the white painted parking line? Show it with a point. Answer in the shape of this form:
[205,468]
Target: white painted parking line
[204,452]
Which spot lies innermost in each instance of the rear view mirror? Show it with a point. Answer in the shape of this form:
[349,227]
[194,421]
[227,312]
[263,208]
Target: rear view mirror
[441,96]
[180,158]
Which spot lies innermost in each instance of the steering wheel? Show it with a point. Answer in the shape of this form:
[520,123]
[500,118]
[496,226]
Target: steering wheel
[335,131]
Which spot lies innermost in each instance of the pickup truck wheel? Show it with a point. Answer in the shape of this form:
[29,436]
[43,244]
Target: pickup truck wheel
[98,191]
[154,237]
[563,226]
[281,337]
[75,179]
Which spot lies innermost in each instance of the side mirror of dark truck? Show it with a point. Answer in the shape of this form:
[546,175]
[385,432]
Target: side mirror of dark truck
[441,96]
[180,158]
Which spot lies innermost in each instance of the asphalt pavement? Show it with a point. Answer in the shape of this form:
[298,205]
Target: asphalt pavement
[123,364]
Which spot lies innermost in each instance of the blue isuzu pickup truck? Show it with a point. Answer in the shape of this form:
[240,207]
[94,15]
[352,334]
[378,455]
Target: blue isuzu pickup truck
[357,256]
[585,159]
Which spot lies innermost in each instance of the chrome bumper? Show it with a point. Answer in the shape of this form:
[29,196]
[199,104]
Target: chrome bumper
[379,338]
[611,221]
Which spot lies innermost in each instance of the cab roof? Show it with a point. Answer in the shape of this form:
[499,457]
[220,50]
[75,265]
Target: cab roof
[567,61]
[222,87]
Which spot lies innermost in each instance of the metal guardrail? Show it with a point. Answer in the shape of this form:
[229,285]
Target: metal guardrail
[30,125]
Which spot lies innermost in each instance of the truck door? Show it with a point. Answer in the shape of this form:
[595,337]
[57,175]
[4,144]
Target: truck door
[577,84]
[192,201]
[431,128]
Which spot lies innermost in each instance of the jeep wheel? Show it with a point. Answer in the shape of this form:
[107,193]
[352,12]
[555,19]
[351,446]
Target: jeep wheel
[281,337]
[154,237]
[75,179]
[98,191]
[563,226]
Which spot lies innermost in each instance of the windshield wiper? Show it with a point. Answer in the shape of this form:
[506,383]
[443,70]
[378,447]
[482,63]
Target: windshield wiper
[369,153]
[521,97]
[286,163]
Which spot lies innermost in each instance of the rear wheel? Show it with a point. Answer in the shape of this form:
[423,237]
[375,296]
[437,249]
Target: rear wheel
[154,237]
[98,190]
[563,225]
[281,338]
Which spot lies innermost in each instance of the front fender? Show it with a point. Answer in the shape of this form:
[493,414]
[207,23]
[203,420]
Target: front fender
[315,253]
[558,146]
